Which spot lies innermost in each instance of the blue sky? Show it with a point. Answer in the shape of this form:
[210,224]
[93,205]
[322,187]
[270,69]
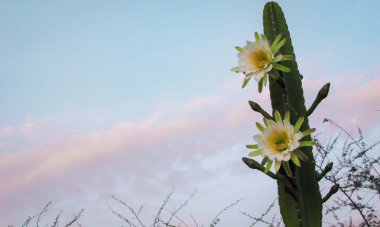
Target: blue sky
[74,70]
[128,55]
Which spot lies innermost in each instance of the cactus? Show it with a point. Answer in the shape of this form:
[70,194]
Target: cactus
[300,199]
[308,208]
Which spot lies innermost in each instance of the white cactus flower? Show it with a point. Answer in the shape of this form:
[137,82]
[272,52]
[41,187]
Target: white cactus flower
[279,142]
[255,59]
[258,58]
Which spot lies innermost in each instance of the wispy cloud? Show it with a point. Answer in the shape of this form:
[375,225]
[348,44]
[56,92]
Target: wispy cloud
[199,142]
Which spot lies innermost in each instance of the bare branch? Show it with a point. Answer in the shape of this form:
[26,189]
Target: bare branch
[55,224]
[36,215]
[75,218]
[261,218]
[353,140]
[158,215]
[182,206]
[122,217]
[216,219]
[44,210]
[130,209]
[195,222]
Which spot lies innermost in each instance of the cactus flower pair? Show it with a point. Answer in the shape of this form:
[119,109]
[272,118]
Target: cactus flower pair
[279,142]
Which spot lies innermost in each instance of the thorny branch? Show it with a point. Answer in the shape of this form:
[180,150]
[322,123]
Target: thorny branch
[352,171]
[56,219]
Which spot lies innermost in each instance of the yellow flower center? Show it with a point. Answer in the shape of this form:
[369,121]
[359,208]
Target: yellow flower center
[279,140]
[259,58]
[282,145]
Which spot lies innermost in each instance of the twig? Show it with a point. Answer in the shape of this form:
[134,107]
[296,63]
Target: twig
[356,206]
[130,209]
[36,215]
[175,216]
[353,140]
[75,218]
[44,210]
[157,218]
[195,222]
[182,206]
[79,224]
[122,217]
[55,224]
[260,219]
[216,219]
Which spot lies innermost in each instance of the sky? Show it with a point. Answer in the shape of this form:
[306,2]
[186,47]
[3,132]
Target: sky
[136,99]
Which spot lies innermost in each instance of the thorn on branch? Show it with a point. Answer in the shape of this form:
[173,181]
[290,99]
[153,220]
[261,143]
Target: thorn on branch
[327,169]
[256,107]
[322,94]
[334,189]
[255,165]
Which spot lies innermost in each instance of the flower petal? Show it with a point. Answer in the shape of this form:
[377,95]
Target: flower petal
[287,116]
[246,80]
[277,166]
[306,143]
[276,40]
[278,46]
[236,69]
[300,155]
[287,57]
[255,153]
[260,127]
[240,49]
[257,37]
[264,161]
[298,124]
[269,164]
[281,67]
[308,132]
[253,146]
[277,116]
[287,168]
[259,75]
[295,159]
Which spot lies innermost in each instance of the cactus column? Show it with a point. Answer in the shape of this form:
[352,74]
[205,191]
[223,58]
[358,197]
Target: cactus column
[306,208]
[298,190]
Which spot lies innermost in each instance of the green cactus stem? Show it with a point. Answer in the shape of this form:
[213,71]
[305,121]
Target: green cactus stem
[299,197]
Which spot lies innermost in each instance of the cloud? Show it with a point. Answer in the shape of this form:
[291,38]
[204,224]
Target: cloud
[195,144]
[146,157]
[352,103]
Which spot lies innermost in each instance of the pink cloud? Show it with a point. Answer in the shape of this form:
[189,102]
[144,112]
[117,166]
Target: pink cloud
[149,156]
[145,159]
[351,103]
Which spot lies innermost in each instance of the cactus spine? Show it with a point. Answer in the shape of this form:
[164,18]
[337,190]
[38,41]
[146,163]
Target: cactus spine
[299,197]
